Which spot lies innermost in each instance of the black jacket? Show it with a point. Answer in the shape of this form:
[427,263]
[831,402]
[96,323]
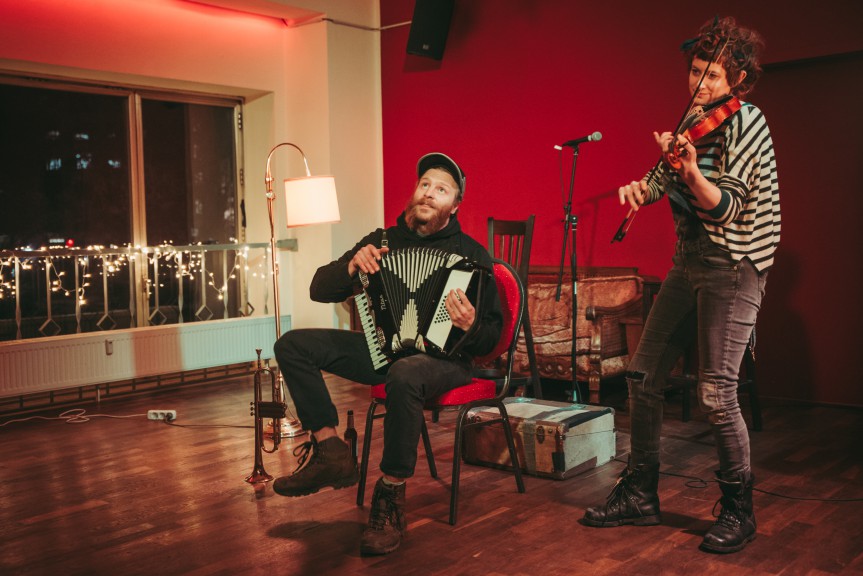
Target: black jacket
[332,283]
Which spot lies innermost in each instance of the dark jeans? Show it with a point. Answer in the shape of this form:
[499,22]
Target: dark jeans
[709,296]
[302,354]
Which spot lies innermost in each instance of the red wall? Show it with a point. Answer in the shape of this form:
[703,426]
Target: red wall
[519,77]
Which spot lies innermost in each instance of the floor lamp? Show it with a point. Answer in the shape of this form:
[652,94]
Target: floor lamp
[309,200]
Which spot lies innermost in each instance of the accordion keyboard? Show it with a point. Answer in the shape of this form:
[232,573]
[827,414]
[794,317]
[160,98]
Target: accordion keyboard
[367,321]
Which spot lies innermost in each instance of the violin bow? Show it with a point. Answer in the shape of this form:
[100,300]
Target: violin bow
[717,52]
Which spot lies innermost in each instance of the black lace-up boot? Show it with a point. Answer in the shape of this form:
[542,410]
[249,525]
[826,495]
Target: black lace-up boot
[387,522]
[735,526]
[321,464]
[633,500]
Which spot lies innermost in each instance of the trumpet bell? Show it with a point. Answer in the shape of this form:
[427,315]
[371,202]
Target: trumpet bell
[258,476]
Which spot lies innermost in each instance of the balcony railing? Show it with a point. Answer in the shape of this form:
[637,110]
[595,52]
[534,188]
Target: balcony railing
[57,291]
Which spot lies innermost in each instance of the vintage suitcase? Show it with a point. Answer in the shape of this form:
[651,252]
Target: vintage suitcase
[552,439]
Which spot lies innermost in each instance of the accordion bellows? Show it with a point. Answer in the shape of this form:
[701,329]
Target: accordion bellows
[401,307]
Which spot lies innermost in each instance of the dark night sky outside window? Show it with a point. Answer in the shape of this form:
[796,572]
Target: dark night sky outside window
[64,169]
[189,173]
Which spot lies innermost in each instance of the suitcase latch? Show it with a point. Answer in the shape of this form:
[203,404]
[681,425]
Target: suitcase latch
[540,434]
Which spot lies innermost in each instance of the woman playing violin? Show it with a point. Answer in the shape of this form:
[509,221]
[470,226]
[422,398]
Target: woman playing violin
[720,177]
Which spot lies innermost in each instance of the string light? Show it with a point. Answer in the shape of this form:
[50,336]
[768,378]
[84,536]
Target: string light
[69,271]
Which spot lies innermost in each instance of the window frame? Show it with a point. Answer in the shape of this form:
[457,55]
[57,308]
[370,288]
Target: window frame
[135,94]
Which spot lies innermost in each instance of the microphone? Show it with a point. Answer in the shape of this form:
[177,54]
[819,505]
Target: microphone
[573,143]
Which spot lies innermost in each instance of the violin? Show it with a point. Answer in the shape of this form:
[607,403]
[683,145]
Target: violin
[698,124]
[692,126]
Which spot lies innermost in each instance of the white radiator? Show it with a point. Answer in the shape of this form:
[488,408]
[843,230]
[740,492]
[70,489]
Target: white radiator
[53,363]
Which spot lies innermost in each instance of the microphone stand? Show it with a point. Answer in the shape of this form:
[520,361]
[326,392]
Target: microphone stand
[570,224]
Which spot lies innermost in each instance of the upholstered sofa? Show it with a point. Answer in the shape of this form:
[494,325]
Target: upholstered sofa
[612,305]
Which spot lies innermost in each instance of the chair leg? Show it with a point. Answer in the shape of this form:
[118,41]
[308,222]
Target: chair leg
[428,449]
[456,460]
[752,389]
[593,385]
[531,356]
[510,442]
[456,465]
[367,445]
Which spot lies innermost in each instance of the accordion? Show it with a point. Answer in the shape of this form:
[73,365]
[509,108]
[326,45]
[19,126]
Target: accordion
[401,307]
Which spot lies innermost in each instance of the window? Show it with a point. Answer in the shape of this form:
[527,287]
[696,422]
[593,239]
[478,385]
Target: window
[100,190]
[64,168]
[189,173]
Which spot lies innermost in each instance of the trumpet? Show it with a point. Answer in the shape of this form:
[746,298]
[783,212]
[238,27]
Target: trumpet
[274,409]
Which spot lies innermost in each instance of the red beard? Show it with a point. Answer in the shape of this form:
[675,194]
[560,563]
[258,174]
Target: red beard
[426,224]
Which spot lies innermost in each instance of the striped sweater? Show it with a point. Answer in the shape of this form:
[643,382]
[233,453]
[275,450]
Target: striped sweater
[738,158]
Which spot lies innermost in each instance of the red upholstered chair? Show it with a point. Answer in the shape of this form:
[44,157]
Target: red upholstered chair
[478,392]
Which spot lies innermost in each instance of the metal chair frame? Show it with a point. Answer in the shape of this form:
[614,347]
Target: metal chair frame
[513,314]
[511,240]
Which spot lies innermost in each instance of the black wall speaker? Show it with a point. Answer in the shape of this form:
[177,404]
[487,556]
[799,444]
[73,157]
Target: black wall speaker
[429,28]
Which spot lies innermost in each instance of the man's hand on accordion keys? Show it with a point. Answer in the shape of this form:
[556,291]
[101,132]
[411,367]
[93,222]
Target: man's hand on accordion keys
[366,259]
[461,311]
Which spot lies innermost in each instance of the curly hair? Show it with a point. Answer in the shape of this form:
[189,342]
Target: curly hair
[742,53]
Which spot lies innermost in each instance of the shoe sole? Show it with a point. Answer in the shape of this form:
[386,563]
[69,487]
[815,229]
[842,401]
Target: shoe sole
[642,521]
[377,552]
[366,551]
[717,550]
[312,490]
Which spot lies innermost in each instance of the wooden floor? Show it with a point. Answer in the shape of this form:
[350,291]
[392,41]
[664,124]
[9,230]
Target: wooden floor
[132,496]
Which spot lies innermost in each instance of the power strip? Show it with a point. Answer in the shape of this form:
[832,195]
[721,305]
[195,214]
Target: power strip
[167,415]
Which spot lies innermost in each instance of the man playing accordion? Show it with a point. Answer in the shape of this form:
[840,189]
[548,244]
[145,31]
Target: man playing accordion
[429,220]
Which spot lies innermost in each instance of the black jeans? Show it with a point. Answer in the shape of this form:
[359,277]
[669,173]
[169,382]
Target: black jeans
[709,296]
[302,354]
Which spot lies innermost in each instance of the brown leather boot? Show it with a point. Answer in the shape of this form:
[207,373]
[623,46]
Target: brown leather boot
[321,464]
[735,527]
[387,522]
[633,500]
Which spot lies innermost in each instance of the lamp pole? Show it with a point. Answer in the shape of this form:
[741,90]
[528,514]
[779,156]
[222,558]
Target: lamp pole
[289,427]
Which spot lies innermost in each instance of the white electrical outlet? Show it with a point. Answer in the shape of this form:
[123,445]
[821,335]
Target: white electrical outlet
[171,415]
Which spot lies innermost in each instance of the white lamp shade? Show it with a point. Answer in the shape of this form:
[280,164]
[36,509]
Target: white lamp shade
[311,200]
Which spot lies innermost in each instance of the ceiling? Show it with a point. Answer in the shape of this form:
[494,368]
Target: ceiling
[292,15]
